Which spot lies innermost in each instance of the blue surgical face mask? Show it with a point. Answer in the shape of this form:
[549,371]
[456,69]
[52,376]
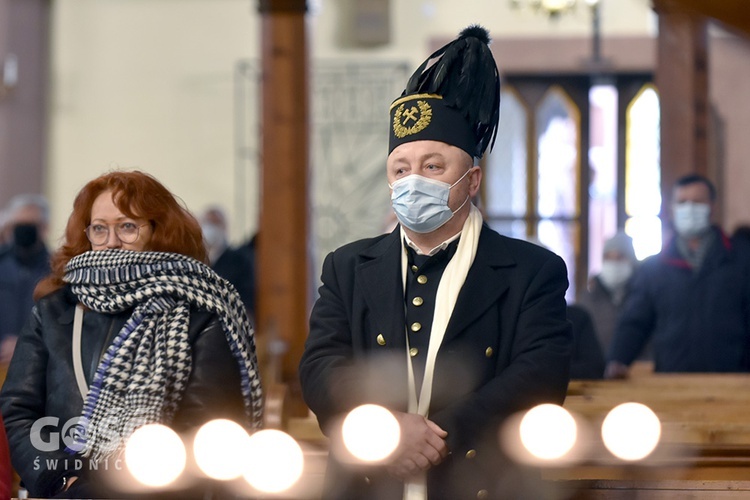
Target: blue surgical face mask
[692,219]
[421,204]
[615,273]
[213,234]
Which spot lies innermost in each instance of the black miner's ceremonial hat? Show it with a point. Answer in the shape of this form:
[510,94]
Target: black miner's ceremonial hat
[453,97]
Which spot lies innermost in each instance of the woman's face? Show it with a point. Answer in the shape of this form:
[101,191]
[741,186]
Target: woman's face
[109,225]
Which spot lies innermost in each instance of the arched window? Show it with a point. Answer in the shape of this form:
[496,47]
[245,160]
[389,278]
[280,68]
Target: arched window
[643,173]
[576,158]
[505,185]
[557,173]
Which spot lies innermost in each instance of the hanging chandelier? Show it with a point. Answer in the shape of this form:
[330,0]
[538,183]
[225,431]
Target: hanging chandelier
[552,8]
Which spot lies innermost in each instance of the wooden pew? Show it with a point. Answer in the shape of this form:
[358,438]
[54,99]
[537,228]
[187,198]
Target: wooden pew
[704,450]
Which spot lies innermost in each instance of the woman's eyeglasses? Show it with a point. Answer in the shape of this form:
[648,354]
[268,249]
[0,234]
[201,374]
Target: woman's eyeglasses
[127,232]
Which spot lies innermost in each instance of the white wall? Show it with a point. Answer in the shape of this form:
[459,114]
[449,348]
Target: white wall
[415,23]
[148,84]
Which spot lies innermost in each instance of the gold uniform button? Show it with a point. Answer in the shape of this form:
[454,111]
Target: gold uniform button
[413,351]
[471,454]
[417,301]
[488,352]
[414,268]
[482,494]
[421,279]
[415,327]
[381,339]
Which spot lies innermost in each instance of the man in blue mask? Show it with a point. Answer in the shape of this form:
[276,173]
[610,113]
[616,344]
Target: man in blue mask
[446,323]
[23,262]
[693,299]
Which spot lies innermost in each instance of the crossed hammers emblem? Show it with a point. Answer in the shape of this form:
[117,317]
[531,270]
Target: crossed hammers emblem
[410,114]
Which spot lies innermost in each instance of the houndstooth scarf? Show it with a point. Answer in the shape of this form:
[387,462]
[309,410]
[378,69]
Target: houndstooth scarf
[143,373]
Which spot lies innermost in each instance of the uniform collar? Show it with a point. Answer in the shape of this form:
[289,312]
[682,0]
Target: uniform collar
[435,250]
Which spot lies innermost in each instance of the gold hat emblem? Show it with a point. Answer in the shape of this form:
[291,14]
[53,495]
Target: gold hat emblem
[412,119]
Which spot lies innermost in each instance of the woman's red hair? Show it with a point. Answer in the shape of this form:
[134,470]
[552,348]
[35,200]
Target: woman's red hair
[137,195]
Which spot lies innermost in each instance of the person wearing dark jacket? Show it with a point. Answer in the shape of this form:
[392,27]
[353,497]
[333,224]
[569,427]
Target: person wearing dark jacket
[587,356]
[587,361]
[236,265]
[24,261]
[445,322]
[692,300]
[130,328]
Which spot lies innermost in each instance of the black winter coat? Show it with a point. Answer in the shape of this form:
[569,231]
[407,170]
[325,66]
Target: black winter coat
[41,383]
[697,321]
[506,348]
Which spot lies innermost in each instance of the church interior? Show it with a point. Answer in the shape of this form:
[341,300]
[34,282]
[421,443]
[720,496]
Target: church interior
[277,111]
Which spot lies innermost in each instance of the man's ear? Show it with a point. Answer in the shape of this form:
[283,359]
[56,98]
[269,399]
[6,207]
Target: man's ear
[475,180]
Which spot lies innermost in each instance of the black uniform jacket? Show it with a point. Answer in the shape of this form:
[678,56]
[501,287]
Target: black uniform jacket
[41,383]
[506,348]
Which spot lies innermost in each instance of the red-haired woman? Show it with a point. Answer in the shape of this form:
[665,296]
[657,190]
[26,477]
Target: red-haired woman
[130,328]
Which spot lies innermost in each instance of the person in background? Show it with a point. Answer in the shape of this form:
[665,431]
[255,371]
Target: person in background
[587,356]
[131,327]
[448,324]
[24,261]
[741,235]
[606,291]
[587,360]
[692,300]
[233,264]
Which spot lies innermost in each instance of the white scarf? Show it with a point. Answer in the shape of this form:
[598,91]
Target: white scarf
[451,282]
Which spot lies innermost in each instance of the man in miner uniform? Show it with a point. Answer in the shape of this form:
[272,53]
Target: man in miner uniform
[445,322]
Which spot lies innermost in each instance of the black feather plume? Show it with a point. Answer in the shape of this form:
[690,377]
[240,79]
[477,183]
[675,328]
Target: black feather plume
[464,73]
[476,31]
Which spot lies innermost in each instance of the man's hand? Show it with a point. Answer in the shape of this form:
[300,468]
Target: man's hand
[7,346]
[422,446]
[615,369]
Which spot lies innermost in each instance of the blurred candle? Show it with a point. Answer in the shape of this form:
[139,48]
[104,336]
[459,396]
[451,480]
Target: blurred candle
[548,431]
[274,462]
[371,433]
[631,431]
[220,448]
[155,455]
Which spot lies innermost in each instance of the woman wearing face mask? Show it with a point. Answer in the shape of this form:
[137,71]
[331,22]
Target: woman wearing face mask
[604,296]
[130,328]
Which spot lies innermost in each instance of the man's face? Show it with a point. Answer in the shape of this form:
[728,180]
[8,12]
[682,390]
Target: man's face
[214,218]
[214,229]
[697,192]
[436,160]
[615,256]
[29,215]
